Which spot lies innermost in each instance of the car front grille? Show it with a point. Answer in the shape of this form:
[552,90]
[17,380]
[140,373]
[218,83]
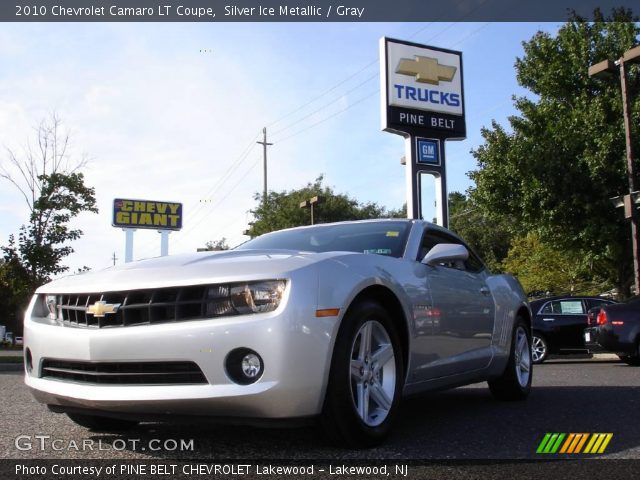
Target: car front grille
[139,307]
[123,373]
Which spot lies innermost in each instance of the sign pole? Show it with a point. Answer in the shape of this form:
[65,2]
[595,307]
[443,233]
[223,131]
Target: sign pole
[164,242]
[128,245]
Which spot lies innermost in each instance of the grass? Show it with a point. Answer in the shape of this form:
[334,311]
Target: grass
[11,359]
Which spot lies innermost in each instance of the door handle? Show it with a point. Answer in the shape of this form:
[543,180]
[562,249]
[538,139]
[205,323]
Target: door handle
[548,319]
[484,291]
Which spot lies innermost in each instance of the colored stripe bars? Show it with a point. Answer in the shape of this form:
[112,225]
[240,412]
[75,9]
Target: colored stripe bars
[574,443]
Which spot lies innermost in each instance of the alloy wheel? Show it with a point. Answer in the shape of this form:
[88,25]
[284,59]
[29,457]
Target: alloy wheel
[538,349]
[522,357]
[372,373]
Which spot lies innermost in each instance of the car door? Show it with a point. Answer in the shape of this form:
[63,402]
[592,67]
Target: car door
[566,319]
[462,312]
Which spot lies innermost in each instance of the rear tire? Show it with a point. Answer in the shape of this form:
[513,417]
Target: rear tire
[633,360]
[365,380]
[515,381]
[102,424]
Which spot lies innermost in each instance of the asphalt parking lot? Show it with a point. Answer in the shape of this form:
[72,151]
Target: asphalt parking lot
[570,395]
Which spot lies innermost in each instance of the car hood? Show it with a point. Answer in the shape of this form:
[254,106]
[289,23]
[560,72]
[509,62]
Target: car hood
[189,269]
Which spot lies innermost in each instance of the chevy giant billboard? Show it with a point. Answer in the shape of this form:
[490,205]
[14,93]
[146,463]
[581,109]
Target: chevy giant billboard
[153,214]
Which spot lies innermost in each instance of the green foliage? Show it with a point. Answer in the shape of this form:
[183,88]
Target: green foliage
[216,245]
[563,157]
[43,243]
[541,267]
[490,238]
[282,209]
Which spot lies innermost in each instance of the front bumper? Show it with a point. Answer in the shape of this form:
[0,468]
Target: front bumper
[294,345]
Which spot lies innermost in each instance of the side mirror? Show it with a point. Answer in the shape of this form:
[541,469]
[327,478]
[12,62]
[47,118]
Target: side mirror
[445,252]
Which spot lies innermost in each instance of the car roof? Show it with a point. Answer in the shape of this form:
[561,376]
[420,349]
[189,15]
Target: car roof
[540,301]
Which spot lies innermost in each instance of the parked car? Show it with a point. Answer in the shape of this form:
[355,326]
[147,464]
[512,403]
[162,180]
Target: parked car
[616,328]
[334,321]
[559,323]
[18,341]
[8,338]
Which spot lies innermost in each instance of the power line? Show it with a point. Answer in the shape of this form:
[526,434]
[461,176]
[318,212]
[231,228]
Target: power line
[327,104]
[225,176]
[369,95]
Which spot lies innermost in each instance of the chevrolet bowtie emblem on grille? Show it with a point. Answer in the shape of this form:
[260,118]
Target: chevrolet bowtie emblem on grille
[426,70]
[100,309]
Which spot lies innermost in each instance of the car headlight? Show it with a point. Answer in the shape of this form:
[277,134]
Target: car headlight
[239,299]
[51,306]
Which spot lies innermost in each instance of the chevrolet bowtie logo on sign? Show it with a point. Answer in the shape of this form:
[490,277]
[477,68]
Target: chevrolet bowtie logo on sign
[100,309]
[426,70]
[573,443]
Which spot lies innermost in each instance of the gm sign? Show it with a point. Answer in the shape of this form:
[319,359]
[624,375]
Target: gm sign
[428,151]
[421,89]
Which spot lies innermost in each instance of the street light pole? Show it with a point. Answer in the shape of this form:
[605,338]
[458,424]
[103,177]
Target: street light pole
[608,67]
[318,199]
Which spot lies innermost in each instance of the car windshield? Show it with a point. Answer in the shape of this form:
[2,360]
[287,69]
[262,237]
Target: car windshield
[381,238]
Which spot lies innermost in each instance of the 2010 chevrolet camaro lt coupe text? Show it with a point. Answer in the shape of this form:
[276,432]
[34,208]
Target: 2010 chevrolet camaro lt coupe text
[335,321]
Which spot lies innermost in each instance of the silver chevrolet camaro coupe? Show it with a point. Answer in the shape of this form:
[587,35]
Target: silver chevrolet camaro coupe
[336,321]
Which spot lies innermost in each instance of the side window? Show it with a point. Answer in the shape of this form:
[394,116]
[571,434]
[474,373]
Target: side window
[599,303]
[431,239]
[564,307]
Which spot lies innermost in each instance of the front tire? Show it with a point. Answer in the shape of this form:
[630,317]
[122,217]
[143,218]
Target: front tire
[515,381]
[365,380]
[101,424]
[539,348]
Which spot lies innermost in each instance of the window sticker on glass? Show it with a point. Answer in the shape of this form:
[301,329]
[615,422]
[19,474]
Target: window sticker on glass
[378,251]
[393,234]
[571,307]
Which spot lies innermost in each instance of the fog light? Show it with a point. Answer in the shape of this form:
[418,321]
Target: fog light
[244,366]
[251,365]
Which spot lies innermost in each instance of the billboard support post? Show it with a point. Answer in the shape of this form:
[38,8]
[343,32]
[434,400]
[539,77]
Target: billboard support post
[164,242]
[128,244]
[422,100]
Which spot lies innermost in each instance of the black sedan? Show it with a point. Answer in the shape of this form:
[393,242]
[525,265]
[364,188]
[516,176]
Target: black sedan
[559,323]
[617,330]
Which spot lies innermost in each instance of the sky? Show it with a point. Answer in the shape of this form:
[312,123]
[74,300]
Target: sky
[172,111]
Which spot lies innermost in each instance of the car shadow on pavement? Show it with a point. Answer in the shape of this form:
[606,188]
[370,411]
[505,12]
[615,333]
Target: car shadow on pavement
[465,423]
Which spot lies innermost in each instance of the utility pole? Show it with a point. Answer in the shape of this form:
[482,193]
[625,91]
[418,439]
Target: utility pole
[620,67]
[264,144]
[114,258]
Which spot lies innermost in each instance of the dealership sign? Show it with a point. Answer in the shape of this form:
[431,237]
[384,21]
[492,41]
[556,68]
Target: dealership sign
[422,99]
[422,89]
[157,215]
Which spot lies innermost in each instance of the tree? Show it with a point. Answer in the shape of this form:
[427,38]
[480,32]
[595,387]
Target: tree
[55,193]
[216,245]
[282,209]
[490,238]
[555,169]
[542,268]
